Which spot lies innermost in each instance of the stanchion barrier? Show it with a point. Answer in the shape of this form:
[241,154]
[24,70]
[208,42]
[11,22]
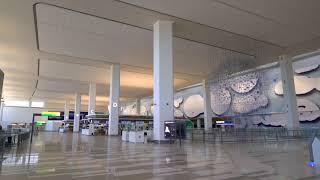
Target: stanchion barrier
[251,135]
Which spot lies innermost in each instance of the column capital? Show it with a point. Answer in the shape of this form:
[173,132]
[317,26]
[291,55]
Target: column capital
[284,57]
[164,21]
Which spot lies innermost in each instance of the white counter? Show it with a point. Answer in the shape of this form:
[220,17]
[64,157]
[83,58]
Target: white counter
[136,136]
[87,132]
[125,136]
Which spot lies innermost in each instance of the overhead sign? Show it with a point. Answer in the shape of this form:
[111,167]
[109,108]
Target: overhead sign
[50,113]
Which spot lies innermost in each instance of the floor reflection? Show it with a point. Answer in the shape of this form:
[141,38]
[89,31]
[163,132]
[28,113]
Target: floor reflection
[73,156]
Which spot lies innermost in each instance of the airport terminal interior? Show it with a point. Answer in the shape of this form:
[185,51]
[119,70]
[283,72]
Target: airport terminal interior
[160,89]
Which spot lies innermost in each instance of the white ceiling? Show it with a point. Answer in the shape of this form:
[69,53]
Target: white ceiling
[284,22]
[76,41]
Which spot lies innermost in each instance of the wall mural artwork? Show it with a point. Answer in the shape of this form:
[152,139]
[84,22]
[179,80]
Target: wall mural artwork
[177,102]
[279,119]
[306,69]
[143,110]
[193,106]
[244,83]
[308,111]
[249,121]
[151,109]
[303,85]
[251,99]
[249,102]
[256,119]
[220,100]
[129,110]
[178,113]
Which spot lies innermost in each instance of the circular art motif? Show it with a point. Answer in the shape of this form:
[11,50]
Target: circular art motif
[308,111]
[306,69]
[303,85]
[275,120]
[178,113]
[220,100]
[193,106]
[177,102]
[244,83]
[249,102]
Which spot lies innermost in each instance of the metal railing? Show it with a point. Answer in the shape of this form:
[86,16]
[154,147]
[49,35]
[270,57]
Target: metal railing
[13,137]
[249,135]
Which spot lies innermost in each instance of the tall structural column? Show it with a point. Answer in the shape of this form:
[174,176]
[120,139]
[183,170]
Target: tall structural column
[163,77]
[76,115]
[138,106]
[66,109]
[92,99]
[1,110]
[207,105]
[114,100]
[289,92]
[198,123]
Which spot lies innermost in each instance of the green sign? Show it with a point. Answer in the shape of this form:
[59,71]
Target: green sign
[39,123]
[50,113]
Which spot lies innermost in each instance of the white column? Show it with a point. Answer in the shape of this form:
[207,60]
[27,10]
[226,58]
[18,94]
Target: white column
[92,99]
[198,123]
[207,105]
[163,77]
[138,105]
[66,109]
[76,115]
[114,100]
[289,92]
[1,110]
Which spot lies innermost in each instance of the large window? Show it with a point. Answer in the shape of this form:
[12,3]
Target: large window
[17,103]
[38,104]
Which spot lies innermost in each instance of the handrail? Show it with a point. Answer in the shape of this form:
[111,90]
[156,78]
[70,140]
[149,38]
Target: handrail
[251,135]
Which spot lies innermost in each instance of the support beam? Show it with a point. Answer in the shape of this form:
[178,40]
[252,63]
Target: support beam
[1,110]
[289,92]
[163,77]
[198,123]
[92,99]
[207,105]
[114,100]
[138,106]
[76,115]
[66,109]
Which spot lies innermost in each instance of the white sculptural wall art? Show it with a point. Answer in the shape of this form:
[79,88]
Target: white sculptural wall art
[256,119]
[306,69]
[129,110]
[278,119]
[220,100]
[303,85]
[177,102]
[143,111]
[245,103]
[178,113]
[308,111]
[244,83]
[151,109]
[193,106]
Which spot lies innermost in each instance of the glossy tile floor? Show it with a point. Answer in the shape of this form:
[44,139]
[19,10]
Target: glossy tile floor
[54,156]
